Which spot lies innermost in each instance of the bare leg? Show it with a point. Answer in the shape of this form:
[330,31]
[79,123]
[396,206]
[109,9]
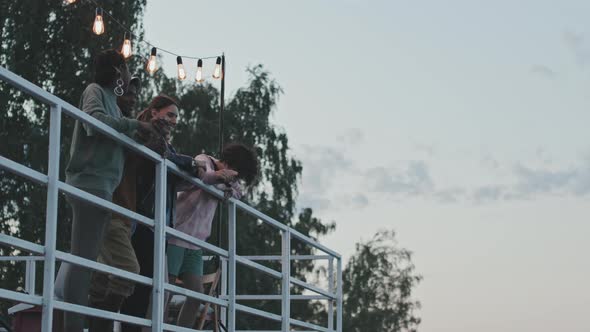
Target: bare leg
[188,313]
[166,299]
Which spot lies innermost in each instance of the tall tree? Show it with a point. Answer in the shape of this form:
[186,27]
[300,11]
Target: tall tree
[247,119]
[52,45]
[377,283]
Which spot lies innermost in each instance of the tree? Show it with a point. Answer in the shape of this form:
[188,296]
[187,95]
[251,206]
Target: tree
[247,120]
[377,284]
[51,45]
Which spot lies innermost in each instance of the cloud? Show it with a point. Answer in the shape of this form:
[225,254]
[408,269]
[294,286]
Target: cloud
[355,201]
[317,202]
[543,71]
[533,182]
[428,149]
[323,166]
[488,193]
[413,179]
[570,181]
[575,43]
[352,136]
[326,167]
[320,166]
[451,195]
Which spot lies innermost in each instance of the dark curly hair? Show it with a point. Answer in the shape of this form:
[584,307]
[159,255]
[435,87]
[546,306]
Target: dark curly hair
[242,159]
[104,66]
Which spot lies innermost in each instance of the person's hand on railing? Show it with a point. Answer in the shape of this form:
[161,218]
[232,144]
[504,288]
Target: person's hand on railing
[227,192]
[226,175]
[199,167]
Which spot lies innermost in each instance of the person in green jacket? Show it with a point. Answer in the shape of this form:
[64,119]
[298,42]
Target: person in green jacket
[96,167]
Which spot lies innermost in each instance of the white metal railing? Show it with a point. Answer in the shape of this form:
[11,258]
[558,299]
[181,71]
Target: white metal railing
[228,298]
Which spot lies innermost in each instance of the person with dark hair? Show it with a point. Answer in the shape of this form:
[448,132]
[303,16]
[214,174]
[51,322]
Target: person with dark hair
[127,101]
[107,292]
[165,109]
[95,166]
[194,216]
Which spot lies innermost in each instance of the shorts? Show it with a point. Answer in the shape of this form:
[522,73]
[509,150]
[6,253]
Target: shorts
[182,260]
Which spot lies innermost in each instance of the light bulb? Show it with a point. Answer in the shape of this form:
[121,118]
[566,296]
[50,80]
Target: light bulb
[217,71]
[181,72]
[199,77]
[69,2]
[151,65]
[98,26]
[126,49]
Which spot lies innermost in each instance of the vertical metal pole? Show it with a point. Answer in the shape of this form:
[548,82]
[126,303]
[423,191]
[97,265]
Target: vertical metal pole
[286,281]
[221,110]
[220,147]
[331,290]
[224,288]
[339,295]
[30,278]
[231,247]
[221,103]
[159,245]
[51,219]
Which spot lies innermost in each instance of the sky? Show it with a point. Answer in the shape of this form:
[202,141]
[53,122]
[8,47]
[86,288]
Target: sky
[461,125]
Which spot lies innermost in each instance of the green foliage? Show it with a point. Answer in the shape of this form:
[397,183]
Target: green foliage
[377,283]
[52,45]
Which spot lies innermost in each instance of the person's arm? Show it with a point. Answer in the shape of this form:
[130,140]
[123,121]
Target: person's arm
[184,162]
[209,175]
[93,105]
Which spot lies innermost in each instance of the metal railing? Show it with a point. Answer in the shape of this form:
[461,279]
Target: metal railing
[230,258]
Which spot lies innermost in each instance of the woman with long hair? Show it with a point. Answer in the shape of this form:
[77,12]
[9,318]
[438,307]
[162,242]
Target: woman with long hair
[163,112]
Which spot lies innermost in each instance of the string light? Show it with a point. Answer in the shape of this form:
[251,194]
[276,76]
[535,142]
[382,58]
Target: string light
[199,77]
[126,49]
[151,65]
[181,72]
[98,26]
[217,71]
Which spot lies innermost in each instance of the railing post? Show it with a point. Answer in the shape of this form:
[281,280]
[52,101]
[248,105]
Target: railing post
[30,277]
[286,281]
[339,294]
[159,245]
[223,287]
[231,270]
[51,218]
[331,290]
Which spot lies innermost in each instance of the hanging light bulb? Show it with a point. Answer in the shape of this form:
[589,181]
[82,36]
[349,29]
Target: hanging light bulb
[199,77]
[69,2]
[126,49]
[151,65]
[181,72]
[217,71]
[98,26]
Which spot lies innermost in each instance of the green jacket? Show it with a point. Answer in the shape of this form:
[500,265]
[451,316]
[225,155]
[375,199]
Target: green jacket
[96,162]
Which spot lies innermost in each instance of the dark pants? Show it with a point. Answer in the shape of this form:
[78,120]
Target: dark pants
[88,227]
[137,304]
